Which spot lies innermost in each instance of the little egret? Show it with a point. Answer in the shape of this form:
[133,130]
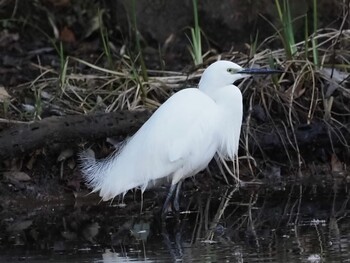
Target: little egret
[179,139]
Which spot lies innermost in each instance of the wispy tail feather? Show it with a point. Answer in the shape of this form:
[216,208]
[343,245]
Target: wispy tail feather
[102,175]
[91,169]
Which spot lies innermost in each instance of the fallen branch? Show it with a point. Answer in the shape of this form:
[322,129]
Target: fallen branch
[22,138]
[275,143]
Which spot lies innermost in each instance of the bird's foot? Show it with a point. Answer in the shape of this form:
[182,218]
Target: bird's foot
[171,207]
[171,210]
[176,205]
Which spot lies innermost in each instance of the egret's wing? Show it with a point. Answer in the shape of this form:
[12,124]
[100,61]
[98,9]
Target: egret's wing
[177,150]
[187,119]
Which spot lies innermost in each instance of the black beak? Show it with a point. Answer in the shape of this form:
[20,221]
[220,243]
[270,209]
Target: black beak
[256,71]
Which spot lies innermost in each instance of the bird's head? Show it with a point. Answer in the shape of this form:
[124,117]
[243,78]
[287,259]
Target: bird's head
[222,73]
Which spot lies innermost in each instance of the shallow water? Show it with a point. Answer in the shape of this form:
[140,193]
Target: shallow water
[306,244]
[298,222]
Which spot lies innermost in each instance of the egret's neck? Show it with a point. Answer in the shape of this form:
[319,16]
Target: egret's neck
[230,104]
[209,85]
[228,96]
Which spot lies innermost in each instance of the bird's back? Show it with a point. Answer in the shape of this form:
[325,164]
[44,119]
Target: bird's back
[178,140]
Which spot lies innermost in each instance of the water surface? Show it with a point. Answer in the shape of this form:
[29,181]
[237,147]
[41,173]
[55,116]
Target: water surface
[296,222]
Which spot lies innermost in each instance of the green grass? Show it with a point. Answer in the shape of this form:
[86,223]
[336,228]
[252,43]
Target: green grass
[253,44]
[314,35]
[196,38]
[105,40]
[284,14]
[288,32]
[140,58]
[63,67]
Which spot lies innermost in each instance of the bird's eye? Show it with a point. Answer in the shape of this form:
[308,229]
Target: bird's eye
[231,70]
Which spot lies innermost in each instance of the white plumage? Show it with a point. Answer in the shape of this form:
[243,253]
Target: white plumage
[179,139]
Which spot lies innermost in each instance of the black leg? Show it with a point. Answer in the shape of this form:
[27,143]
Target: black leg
[176,199]
[167,202]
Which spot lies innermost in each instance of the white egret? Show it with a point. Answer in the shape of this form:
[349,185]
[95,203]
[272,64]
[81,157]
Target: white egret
[179,139]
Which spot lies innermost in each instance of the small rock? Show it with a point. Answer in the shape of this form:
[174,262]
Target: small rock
[19,226]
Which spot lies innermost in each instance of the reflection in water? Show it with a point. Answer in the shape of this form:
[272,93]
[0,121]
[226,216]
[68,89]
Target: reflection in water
[299,222]
[112,257]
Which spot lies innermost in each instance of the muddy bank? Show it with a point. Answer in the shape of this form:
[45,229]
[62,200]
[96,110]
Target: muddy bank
[254,216]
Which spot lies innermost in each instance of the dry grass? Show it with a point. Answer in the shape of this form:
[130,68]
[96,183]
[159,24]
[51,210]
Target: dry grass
[303,94]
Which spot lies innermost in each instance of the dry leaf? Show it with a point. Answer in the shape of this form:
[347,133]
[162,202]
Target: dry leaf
[30,163]
[65,154]
[94,24]
[28,107]
[71,164]
[3,94]
[7,38]
[45,95]
[299,90]
[17,176]
[334,77]
[19,226]
[336,165]
[67,35]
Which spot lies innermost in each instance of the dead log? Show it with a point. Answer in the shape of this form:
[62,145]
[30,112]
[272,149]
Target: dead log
[22,138]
